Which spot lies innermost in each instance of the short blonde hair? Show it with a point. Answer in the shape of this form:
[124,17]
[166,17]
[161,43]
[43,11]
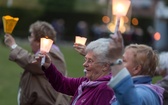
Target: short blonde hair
[146,57]
[42,29]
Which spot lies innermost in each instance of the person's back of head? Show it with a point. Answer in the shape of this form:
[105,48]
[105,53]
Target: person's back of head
[42,29]
[144,56]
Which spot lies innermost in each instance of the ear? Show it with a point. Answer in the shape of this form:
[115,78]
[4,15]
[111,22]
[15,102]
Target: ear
[137,70]
[106,67]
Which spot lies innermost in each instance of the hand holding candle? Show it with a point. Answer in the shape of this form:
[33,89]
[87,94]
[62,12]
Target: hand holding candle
[80,40]
[9,23]
[45,46]
[120,8]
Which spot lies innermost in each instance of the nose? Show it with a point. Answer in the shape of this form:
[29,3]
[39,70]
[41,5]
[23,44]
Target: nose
[85,64]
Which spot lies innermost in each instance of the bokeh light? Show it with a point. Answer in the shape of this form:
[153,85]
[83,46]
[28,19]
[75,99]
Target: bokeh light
[135,21]
[105,19]
[157,36]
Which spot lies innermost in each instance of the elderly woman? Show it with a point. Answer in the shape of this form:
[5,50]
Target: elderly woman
[91,89]
[34,88]
[162,69]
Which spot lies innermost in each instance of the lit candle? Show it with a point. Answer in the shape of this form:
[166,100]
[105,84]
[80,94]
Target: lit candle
[9,23]
[45,46]
[120,8]
[80,40]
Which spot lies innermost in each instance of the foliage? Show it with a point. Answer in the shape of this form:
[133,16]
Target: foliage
[58,5]
[166,2]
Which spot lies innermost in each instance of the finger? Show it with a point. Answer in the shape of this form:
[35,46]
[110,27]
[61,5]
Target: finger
[34,61]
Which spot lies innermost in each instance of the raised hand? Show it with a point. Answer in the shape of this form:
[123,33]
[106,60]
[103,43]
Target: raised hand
[116,45]
[80,48]
[9,40]
[38,58]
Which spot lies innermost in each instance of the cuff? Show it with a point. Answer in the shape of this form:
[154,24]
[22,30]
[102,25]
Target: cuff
[13,46]
[121,75]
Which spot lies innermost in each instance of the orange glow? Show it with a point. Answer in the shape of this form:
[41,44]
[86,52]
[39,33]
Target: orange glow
[157,36]
[105,19]
[135,21]
[126,20]
[120,7]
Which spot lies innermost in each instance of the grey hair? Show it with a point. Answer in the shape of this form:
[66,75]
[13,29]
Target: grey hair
[163,61]
[42,29]
[100,48]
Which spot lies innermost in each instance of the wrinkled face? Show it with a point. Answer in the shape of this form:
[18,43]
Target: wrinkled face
[129,62]
[94,68]
[34,44]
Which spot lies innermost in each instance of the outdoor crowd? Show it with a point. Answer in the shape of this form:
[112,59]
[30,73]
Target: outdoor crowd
[114,74]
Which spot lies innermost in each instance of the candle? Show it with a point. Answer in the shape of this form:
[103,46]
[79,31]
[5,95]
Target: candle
[120,8]
[80,40]
[9,23]
[45,46]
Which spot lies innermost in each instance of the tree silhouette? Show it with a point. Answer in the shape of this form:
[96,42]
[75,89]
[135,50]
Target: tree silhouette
[58,5]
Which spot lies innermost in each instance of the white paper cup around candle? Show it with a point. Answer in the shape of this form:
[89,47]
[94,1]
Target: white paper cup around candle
[80,40]
[45,46]
[120,7]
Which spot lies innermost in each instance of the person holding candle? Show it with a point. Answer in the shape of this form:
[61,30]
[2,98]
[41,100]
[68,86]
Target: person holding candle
[131,80]
[34,88]
[91,89]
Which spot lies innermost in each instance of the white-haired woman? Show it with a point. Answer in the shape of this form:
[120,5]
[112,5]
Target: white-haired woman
[91,89]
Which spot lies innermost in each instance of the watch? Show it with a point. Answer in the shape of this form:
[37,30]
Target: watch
[13,46]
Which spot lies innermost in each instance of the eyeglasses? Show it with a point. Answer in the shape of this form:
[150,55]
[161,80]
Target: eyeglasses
[91,62]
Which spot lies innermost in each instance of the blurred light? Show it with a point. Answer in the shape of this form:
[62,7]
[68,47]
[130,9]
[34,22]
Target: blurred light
[120,7]
[123,29]
[106,19]
[126,20]
[111,27]
[9,3]
[157,36]
[135,21]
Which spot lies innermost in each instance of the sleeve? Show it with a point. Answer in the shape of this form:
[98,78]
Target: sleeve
[61,83]
[129,94]
[58,60]
[23,58]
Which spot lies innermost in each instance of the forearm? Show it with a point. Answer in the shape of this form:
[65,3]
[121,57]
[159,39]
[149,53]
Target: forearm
[61,83]
[20,56]
[124,89]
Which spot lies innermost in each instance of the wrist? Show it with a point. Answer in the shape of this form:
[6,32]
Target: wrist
[13,46]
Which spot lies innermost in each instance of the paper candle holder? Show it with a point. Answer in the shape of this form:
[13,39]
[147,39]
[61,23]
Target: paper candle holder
[9,23]
[120,7]
[80,40]
[45,45]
